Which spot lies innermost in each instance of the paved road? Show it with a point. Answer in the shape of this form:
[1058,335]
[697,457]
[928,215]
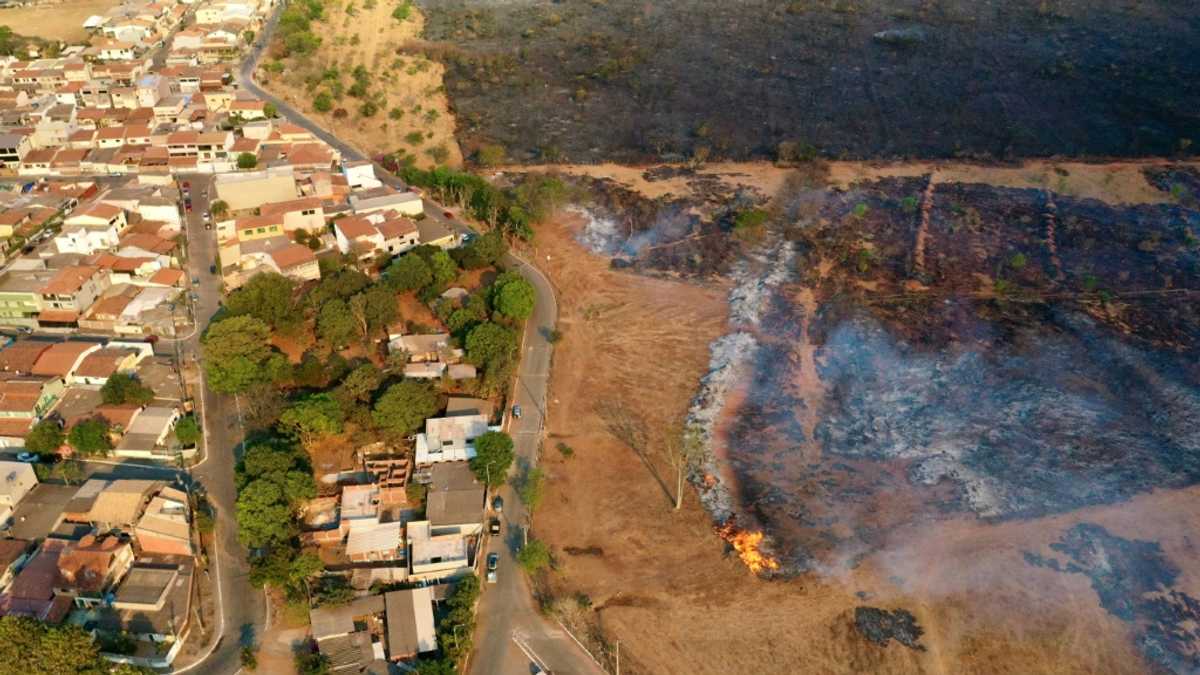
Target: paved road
[506,607]
[243,611]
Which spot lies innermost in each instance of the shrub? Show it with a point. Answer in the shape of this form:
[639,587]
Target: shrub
[414,138]
[323,102]
[396,113]
[534,557]
[403,11]
[749,219]
[438,153]
[565,450]
[491,155]
[247,160]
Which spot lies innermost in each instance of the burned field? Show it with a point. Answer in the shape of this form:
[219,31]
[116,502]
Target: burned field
[583,81]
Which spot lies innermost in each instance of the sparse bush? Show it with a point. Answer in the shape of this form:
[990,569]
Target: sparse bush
[403,11]
[750,219]
[565,450]
[909,204]
[396,113]
[534,557]
[491,154]
[323,102]
[414,138]
[438,153]
[368,109]
[1018,261]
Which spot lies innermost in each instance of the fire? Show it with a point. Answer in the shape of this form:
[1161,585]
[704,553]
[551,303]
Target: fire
[748,544]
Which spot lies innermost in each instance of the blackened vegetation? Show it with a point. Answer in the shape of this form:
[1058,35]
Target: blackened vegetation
[996,382]
[1181,182]
[881,626]
[1135,583]
[626,80]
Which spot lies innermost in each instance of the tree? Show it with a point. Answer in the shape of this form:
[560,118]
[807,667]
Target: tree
[267,296]
[69,471]
[409,272]
[444,271]
[515,299]
[236,352]
[45,438]
[90,437]
[123,388]
[489,344]
[361,384]
[218,208]
[491,155]
[404,407]
[270,110]
[248,36]
[264,516]
[311,663]
[482,251]
[285,569]
[493,457]
[187,431]
[534,556]
[312,417]
[323,102]
[533,488]
[683,450]
[30,647]
[247,160]
[335,323]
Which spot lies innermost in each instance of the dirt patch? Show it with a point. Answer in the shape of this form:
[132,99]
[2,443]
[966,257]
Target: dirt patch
[628,81]
[55,20]
[413,114]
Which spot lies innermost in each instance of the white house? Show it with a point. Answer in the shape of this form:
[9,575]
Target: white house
[404,203]
[360,175]
[16,480]
[449,439]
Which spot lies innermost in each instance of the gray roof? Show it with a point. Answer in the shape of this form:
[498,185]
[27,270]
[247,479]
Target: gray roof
[331,621]
[410,627]
[347,652]
[431,230]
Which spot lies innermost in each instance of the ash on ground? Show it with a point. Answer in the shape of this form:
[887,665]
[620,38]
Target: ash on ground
[1136,583]
[881,626]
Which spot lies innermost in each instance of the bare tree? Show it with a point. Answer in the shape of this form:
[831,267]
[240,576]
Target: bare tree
[682,450]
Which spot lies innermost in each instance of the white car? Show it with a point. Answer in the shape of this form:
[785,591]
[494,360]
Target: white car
[493,562]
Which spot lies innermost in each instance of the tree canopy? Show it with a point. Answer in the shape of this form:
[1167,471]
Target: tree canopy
[313,416]
[482,251]
[515,299]
[273,479]
[125,388]
[30,647]
[335,323]
[45,438]
[409,272]
[404,407]
[267,296]
[187,431]
[490,343]
[90,437]
[493,456]
[373,309]
[236,352]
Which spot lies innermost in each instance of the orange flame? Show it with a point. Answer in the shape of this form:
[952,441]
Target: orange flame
[748,544]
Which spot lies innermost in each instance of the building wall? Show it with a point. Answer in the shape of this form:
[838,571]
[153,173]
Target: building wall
[254,193]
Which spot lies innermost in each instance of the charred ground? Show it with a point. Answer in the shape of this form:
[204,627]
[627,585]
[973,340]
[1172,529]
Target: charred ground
[586,80]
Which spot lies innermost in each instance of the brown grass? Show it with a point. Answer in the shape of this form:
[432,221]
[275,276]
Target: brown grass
[411,83]
[55,21]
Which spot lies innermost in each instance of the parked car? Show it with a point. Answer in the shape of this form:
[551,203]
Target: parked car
[196,280]
[493,562]
[212,269]
[494,526]
[187,184]
[207,216]
[27,457]
[208,226]
[187,205]
[517,411]
[498,504]
[195,297]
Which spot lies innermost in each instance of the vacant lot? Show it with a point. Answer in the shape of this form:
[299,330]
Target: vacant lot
[626,80]
[55,20]
[410,113]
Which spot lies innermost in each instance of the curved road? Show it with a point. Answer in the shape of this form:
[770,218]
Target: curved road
[506,610]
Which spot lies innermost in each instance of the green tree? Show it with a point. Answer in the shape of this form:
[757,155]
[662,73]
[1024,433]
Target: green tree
[30,647]
[493,457]
[373,309]
[312,417]
[247,160]
[45,438]
[90,437]
[360,385]
[482,251]
[534,556]
[323,102]
[491,155]
[335,323]
[125,388]
[187,431]
[70,472]
[270,110]
[267,296]
[248,36]
[409,272]
[515,299]
[533,488]
[490,344]
[218,208]
[236,353]
[404,407]
[311,663]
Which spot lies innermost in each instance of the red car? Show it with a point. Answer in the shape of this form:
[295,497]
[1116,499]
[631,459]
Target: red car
[188,206]
[186,185]
[448,214]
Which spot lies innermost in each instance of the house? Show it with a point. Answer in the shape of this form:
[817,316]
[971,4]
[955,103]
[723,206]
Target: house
[435,556]
[376,543]
[434,233]
[16,480]
[358,235]
[13,148]
[61,359]
[295,261]
[20,296]
[304,213]
[146,438]
[23,401]
[97,366]
[346,634]
[449,439]
[455,500]
[410,627]
[117,503]
[153,604]
[360,175]
[404,203]
[90,568]
[399,235]
[427,348]
[31,593]
[13,554]
[164,528]
[69,293]
[20,356]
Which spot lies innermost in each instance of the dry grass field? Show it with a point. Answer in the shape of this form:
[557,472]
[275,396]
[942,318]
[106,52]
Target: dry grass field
[414,114]
[55,20]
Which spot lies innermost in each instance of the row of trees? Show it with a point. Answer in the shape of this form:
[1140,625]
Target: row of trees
[30,647]
[511,211]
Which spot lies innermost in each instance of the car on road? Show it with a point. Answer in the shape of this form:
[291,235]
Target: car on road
[207,216]
[187,184]
[517,411]
[195,297]
[494,526]
[196,280]
[493,563]
[187,205]
[27,457]
[498,504]
[212,269]
[208,226]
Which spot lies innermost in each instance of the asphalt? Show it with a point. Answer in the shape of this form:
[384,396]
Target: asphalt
[507,614]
